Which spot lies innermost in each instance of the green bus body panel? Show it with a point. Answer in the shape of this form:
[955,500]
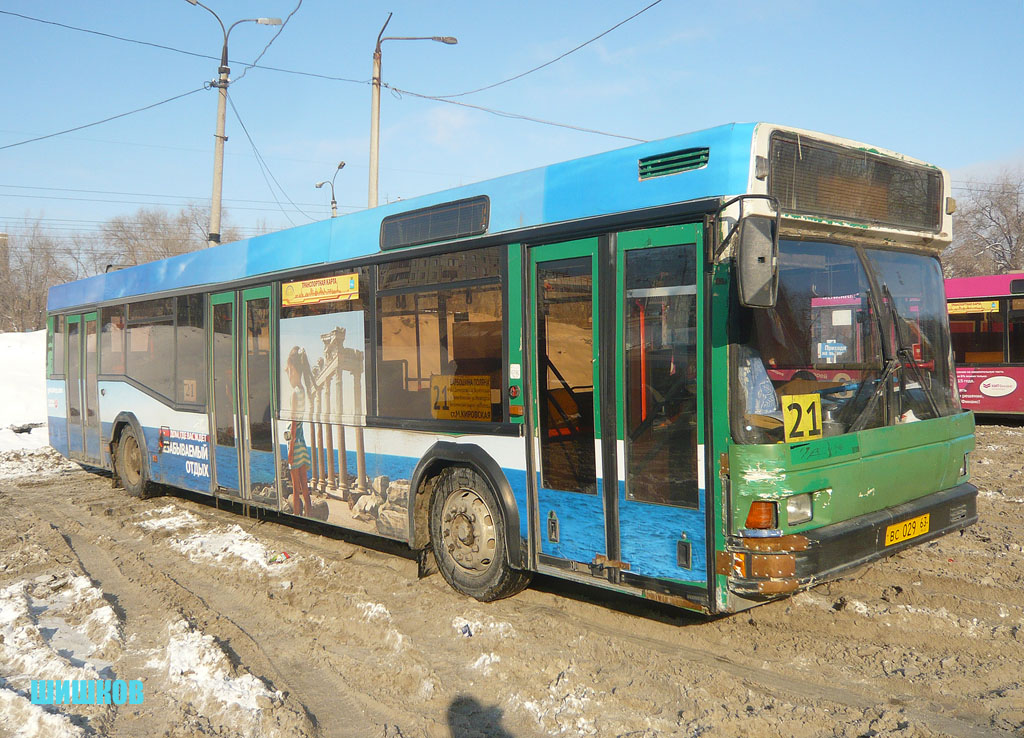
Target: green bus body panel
[718,394]
[852,474]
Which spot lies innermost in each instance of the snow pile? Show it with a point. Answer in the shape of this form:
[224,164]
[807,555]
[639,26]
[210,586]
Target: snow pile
[487,626]
[23,390]
[228,545]
[196,663]
[564,709]
[32,720]
[374,612]
[38,462]
[168,517]
[51,627]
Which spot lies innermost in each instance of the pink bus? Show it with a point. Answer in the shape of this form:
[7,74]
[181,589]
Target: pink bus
[986,319]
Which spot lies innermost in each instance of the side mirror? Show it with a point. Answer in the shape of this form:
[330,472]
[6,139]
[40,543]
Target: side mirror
[757,254]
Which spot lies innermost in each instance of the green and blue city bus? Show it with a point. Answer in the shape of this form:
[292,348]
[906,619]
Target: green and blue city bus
[709,370]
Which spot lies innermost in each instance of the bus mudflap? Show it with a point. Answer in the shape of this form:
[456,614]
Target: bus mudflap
[764,568]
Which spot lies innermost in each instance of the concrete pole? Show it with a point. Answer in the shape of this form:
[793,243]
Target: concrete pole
[218,149]
[375,123]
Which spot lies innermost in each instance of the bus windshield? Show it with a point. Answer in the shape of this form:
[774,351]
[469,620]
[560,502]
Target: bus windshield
[858,339]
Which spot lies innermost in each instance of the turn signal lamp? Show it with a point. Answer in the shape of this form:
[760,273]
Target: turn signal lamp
[762,515]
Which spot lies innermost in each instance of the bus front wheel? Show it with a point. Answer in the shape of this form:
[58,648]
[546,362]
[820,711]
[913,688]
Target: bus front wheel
[131,467]
[467,535]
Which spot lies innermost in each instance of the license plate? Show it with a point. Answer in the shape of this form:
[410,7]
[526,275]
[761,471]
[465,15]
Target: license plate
[899,532]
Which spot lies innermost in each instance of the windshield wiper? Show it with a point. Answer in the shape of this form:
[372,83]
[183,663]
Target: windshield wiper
[890,367]
[905,353]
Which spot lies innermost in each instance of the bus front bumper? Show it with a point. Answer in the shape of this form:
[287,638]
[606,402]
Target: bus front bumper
[762,568]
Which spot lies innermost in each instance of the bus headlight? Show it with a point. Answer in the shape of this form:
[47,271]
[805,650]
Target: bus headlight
[798,509]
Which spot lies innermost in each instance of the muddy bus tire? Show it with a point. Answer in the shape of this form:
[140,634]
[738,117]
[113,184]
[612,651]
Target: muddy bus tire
[467,534]
[131,466]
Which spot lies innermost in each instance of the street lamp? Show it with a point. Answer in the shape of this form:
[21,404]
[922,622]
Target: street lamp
[375,103]
[219,138]
[334,203]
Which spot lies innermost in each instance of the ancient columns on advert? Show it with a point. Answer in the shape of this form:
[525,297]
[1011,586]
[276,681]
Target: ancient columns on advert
[328,401]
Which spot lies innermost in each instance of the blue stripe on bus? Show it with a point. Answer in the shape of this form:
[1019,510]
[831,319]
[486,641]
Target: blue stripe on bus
[554,194]
[650,534]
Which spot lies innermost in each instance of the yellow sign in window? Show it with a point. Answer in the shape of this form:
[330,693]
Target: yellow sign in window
[975,306]
[324,289]
[454,397]
[801,416]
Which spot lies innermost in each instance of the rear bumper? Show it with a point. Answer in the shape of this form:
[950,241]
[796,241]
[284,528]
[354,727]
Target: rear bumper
[762,568]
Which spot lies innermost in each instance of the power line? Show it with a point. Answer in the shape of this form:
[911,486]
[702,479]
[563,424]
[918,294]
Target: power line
[434,98]
[515,116]
[105,120]
[183,51]
[272,40]
[161,204]
[266,169]
[557,58]
[186,198]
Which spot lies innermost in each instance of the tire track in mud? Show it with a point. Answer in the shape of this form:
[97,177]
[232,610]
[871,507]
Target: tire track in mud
[790,687]
[942,717]
[109,512]
[121,572]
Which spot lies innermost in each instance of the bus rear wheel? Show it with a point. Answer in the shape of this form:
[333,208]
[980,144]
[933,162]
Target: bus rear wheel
[467,535]
[131,466]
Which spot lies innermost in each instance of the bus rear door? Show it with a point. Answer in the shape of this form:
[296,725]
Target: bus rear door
[242,378]
[83,402]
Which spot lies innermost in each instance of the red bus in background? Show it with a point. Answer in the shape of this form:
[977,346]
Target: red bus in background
[986,319]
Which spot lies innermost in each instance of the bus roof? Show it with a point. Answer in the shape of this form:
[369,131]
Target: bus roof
[551,194]
[990,285]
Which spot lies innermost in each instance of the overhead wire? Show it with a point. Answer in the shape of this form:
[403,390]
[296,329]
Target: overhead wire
[105,120]
[265,168]
[272,40]
[556,59]
[184,51]
[515,116]
[435,98]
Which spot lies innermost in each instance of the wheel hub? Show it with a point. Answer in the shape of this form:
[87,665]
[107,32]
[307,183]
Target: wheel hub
[133,460]
[468,530]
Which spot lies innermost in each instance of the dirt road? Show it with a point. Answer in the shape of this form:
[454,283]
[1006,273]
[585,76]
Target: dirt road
[342,639]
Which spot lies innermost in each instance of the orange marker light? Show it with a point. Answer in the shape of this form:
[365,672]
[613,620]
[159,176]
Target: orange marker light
[761,515]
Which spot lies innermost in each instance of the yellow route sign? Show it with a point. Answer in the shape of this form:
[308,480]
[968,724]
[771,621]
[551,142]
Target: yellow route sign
[975,306]
[454,397]
[801,416]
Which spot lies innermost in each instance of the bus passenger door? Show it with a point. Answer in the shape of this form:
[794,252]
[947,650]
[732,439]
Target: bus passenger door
[224,391]
[255,397]
[83,405]
[567,459]
[659,403]
[241,374]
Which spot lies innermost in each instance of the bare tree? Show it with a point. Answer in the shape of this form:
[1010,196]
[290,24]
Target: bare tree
[32,263]
[32,259]
[988,228]
[150,234]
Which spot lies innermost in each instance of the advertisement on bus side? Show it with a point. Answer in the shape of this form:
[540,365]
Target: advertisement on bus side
[991,389]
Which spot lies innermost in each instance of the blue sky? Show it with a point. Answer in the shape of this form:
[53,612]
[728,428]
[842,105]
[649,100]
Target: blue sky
[934,80]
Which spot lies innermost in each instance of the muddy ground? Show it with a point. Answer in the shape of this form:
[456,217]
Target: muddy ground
[342,639]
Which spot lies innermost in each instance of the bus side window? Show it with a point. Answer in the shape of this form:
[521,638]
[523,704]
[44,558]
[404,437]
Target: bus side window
[440,349]
[112,343]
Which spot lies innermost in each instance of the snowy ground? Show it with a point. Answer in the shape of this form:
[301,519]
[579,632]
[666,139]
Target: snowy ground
[23,391]
[240,627]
